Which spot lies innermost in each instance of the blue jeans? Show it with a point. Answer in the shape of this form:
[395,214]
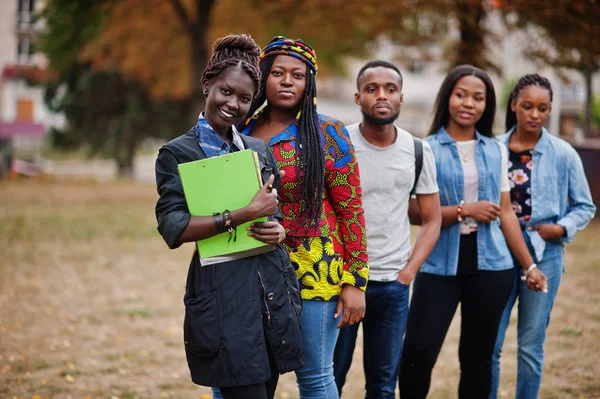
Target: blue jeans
[383,332]
[533,317]
[319,335]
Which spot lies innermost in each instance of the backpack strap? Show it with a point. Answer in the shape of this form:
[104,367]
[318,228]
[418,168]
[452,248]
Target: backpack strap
[418,162]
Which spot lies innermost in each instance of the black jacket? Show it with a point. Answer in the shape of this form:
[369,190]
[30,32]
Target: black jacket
[230,307]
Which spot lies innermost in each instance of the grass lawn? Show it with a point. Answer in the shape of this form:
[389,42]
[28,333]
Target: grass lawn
[91,304]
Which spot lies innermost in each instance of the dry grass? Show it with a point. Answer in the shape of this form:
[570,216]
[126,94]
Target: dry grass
[90,304]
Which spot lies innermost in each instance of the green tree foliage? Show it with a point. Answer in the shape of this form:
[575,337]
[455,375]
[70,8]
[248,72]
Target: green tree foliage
[109,111]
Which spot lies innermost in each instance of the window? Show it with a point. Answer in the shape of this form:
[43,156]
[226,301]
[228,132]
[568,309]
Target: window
[26,9]
[24,50]
[24,110]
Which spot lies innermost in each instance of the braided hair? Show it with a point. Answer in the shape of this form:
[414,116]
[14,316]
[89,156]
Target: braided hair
[442,112]
[528,80]
[234,50]
[308,140]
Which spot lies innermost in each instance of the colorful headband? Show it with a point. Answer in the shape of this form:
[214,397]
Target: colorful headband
[279,45]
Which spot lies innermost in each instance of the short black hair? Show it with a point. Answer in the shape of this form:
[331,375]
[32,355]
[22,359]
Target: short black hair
[442,113]
[375,64]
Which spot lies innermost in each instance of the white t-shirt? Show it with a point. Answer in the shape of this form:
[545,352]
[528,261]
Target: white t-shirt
[387,176]
[466,152]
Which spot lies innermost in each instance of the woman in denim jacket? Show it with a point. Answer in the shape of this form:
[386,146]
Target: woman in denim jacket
[471,262]
[551,197]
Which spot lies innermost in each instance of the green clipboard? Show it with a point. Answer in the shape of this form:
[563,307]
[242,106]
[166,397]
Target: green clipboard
[215,184]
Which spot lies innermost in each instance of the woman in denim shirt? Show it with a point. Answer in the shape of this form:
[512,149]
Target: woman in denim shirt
[471,262]
[551,197]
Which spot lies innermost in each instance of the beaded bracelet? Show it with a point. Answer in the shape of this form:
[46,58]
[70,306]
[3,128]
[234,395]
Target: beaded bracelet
[459,211]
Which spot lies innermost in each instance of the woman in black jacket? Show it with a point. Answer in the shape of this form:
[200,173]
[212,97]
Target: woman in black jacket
[241,327]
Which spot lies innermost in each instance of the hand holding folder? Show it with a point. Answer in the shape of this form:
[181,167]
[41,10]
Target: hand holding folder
[229,182]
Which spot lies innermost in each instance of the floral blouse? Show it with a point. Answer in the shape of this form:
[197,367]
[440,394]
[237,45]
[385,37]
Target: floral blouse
[520,165]
[335,252]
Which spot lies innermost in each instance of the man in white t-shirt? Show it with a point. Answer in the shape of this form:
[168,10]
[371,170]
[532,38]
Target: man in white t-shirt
[386,158]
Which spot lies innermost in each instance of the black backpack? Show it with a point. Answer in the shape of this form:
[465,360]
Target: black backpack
[418,163]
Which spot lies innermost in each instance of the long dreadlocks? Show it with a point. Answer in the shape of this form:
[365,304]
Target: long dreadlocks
[308,141]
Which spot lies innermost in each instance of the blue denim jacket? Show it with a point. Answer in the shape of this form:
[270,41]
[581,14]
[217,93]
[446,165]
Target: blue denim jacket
[492,251]
[559,190]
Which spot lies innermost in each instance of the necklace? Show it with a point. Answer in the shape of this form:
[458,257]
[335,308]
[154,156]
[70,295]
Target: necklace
[465,157]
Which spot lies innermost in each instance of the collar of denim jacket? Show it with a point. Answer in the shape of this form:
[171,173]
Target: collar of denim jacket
[540,146]
[444,138]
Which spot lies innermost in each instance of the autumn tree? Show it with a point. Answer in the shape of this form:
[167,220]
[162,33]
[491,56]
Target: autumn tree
[107,108]
[567,34]
[148,54]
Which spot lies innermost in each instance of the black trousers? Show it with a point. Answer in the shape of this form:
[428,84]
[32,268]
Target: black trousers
[482,295]
[263,390]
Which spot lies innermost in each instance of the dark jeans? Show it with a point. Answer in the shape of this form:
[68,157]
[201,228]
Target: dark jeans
[483,296]
[383,332]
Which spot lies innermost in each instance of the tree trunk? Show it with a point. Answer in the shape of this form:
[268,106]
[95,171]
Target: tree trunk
[127,154]
[589,102]
[200,49]
[470,49]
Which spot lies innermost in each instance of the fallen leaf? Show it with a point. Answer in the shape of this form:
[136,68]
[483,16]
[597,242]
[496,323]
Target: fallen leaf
[69,378]
[43,382]
[206,396]
[36,397]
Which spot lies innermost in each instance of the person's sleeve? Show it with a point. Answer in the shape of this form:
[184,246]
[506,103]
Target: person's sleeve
[172,213]
[342,179]
[504,183]
[427,183]
[581,208]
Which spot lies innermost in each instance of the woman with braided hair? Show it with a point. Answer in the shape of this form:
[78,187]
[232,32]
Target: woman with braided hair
[551,197]
[320,203]
[234,337]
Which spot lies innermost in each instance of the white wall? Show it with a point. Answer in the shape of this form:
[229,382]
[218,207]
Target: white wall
[13,90]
